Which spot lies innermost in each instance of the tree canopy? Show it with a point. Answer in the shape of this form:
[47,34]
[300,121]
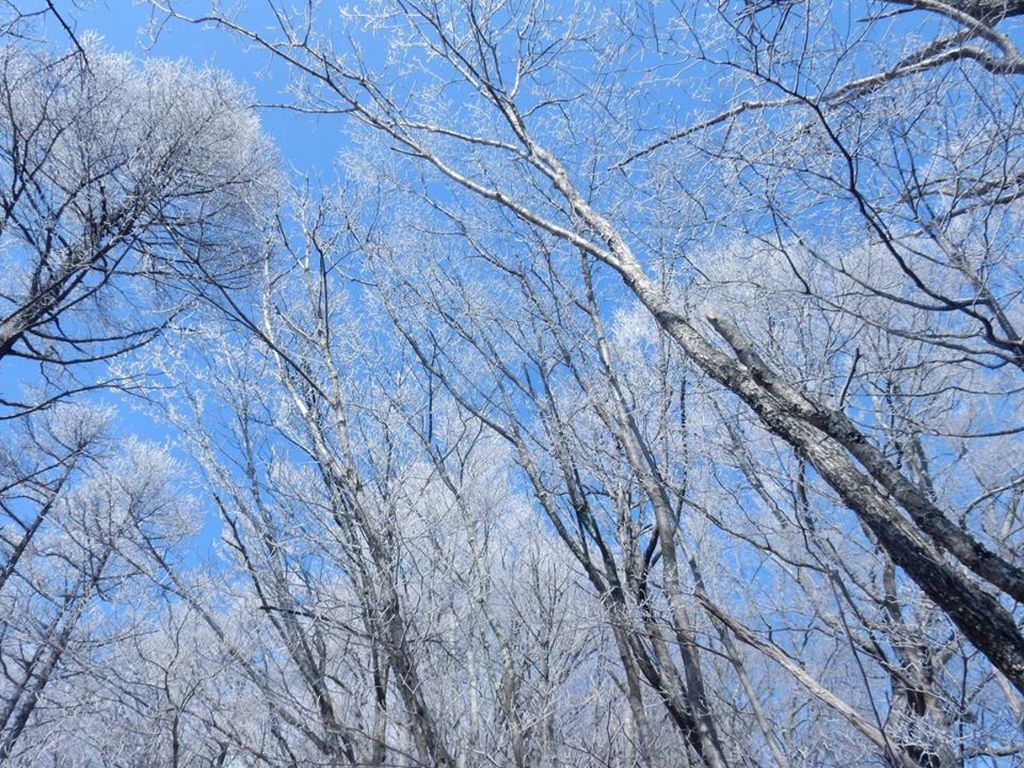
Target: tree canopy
[639,386]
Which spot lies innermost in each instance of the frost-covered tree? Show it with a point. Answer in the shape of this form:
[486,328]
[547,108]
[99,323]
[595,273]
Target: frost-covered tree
[647,393]
[128,190]
[126,187]
[79,527]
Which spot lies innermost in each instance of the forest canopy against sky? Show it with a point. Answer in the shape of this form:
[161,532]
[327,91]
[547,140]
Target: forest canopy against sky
[512,383]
